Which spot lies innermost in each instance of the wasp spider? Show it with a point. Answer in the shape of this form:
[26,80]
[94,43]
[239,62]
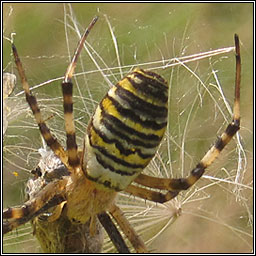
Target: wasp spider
[122,137]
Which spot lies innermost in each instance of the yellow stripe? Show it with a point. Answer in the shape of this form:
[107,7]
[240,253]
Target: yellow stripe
[72,154]
[110,109]
[210,156]
[96,123]
[124,83]
[111,148]
[139,71]
[69,124]
[17,213]
[68,99]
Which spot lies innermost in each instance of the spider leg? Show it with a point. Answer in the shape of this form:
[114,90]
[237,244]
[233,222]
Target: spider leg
[113,233]
[151,195]
[174,186]
[67,88]
[31,99]
[128,230]
[11,224]
[48,197]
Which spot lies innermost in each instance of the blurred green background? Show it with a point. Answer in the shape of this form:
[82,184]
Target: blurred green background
[145,32]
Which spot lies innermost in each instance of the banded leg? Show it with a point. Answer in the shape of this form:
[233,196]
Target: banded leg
[32,102]
[174,186]
[149,194]
[72,159]
[48,197]
[67,88]
[128,230]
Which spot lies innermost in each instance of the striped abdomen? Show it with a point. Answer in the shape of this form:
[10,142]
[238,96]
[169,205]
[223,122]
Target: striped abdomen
[126,129]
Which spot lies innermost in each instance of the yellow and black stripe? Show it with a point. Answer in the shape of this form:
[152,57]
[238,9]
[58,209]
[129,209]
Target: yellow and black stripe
[221,142]
[126,129]
[67,91]
[174,186]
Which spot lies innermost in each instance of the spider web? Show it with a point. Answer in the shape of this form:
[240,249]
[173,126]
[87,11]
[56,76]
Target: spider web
[200,107]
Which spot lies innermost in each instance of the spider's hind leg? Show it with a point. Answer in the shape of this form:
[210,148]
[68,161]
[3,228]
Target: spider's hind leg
[174,186]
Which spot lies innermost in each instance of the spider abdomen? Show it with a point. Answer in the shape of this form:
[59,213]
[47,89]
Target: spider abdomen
[126,129]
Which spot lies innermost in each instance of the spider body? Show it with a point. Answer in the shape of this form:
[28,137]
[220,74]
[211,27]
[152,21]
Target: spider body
[126,129]
[122,137]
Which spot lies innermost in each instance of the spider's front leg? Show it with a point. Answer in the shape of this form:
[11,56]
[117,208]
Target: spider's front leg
[174,186]
[49,196]
[67,90]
